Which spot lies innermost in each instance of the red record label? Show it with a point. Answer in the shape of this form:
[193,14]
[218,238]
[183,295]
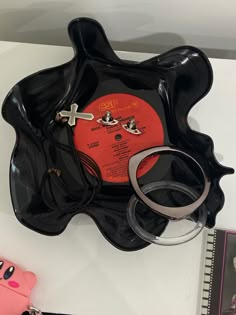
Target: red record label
[112,146]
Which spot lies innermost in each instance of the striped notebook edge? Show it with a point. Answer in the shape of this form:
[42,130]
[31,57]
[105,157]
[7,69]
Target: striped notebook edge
[208,271]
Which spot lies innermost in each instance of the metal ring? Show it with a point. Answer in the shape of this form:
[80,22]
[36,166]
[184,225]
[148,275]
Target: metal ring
[169,212]
[34,310]
[167,241]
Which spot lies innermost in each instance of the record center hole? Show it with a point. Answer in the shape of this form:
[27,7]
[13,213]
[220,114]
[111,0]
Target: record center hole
[118,137]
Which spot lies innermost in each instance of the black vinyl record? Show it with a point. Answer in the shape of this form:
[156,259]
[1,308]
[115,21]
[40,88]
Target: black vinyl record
[58,171]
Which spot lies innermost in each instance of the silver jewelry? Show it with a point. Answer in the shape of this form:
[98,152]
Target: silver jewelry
[167,241]
[34,311]
[107,119]
[131,127]
[72,115]
[169,212]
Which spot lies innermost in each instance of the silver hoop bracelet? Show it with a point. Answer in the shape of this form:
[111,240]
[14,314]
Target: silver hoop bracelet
[168,212]
[167,241]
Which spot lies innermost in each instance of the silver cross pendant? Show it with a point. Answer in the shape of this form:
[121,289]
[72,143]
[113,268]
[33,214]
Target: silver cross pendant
[72,115]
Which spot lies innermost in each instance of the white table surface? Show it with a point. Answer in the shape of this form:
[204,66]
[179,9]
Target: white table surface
[79,271]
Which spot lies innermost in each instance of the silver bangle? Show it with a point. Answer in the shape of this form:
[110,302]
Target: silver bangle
[169,212]
[167,241]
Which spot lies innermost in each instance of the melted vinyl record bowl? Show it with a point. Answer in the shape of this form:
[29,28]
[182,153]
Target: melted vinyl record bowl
[197,227]
[95,71]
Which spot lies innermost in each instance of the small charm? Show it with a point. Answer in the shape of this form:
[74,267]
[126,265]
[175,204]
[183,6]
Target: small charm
[107,120]
[55,171]
[34,311]
[71,116]
[131,127]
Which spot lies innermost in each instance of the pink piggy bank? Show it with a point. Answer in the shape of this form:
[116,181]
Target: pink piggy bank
[15,288]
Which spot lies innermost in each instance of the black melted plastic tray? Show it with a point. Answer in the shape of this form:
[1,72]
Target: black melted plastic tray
[170,83]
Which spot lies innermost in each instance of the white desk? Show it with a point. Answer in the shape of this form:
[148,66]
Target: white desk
[79,271]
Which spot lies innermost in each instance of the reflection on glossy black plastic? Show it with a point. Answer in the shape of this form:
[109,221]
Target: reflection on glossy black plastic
[49,183]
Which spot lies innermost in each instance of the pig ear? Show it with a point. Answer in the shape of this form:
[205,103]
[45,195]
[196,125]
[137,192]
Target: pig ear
[30,279]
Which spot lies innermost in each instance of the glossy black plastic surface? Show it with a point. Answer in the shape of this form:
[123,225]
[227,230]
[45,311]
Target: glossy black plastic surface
[171,83]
